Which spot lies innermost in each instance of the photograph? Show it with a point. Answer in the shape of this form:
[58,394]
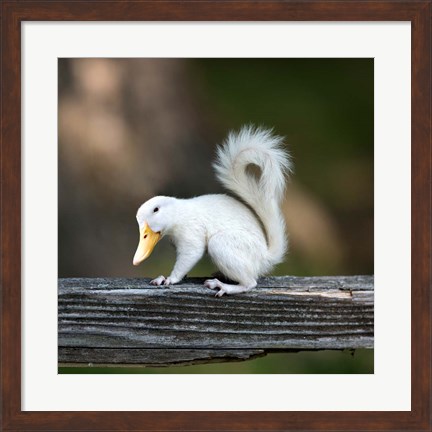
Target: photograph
[216,215]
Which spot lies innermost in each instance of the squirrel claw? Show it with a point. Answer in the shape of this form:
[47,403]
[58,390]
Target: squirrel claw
[160,280]
[220,293]
[216,284]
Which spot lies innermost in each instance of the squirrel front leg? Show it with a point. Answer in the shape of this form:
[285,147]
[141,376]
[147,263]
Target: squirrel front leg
[188,254]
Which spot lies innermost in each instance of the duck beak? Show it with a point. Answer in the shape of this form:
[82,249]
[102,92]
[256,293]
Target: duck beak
[147,242]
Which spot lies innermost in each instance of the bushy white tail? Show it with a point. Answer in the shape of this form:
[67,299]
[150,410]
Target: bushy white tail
[263,192]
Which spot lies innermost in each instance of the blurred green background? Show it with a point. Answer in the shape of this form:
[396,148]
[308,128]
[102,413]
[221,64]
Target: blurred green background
[130,129]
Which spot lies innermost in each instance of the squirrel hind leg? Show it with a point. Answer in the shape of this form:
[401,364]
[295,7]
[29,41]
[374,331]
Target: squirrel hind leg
[224,288]
[239,257]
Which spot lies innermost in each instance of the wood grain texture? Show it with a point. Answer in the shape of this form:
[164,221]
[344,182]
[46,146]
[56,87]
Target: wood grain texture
[108,357]
[284,313]
[208,10]
[13,13]
[421,216]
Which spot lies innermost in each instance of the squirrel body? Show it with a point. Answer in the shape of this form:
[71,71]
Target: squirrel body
[244,239]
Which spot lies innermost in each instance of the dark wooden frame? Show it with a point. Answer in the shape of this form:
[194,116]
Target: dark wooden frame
[15,11]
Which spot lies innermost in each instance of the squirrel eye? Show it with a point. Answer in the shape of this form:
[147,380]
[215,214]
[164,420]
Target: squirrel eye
[156,210]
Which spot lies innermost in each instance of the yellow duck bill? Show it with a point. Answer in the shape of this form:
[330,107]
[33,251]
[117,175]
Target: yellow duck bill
[147,242]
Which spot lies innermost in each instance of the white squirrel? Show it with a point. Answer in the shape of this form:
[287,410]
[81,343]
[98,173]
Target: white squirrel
[242,243]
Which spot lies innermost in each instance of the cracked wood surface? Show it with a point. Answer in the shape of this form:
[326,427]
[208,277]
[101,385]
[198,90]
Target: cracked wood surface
[129,322]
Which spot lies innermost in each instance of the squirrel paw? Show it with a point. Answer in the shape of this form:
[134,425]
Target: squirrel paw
[160,280]
[212,283]
[221,292]
[216,284]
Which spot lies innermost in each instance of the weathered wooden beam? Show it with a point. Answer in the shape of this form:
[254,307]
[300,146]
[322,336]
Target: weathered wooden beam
[128,321]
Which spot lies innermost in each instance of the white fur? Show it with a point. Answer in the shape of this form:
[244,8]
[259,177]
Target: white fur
[224,226]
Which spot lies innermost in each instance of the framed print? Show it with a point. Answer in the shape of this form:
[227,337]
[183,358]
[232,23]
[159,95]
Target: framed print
[60,58]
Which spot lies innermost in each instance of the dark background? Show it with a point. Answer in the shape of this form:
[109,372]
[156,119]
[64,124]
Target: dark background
[130,129]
